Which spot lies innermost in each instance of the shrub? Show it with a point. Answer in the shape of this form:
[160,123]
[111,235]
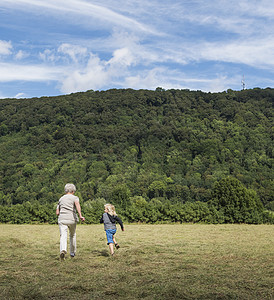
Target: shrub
[237,203]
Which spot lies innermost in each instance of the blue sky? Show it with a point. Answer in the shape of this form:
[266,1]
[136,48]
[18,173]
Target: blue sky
[55,47]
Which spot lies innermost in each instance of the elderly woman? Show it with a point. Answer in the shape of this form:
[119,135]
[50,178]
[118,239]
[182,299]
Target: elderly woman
[67,219]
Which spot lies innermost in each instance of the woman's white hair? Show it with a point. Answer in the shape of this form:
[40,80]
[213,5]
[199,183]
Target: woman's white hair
[70,188]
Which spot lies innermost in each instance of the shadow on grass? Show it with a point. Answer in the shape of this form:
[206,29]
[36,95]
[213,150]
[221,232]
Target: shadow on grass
[54,257]
[104,253]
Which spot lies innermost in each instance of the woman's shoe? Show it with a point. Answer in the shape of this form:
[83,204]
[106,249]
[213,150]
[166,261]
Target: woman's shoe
[62,255]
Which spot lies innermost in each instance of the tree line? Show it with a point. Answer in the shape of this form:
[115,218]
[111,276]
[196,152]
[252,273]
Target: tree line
[231,203]
[169,147]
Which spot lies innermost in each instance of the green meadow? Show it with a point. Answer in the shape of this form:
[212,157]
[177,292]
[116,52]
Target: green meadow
[181,261]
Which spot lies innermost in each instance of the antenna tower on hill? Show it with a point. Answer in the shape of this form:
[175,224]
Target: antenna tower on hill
[243,82]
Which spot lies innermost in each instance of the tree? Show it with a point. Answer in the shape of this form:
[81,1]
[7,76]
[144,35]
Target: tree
[237,203]
[139,139]
[157,189]
[120,195]
[28,170]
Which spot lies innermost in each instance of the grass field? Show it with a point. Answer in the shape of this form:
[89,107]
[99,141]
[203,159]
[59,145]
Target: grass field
[154,262]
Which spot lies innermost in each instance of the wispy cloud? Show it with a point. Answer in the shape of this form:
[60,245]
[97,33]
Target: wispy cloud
[5,47]
[75,52]
[173,43]
[20,95]
[21,55]
[81,8]
[257,53]
[13,72]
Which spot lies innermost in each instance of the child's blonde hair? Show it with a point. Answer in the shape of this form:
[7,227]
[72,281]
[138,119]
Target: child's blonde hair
[111,209]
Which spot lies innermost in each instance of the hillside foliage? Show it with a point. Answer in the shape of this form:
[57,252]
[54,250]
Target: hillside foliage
[142,150]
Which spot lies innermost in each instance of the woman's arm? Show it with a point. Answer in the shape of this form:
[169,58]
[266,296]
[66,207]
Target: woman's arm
[78,207]
[57,210]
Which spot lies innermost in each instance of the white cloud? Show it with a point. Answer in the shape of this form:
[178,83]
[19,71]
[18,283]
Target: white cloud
[13,72]
[73,51]
[5,47]
[122,57]
[139,44]
[257,53]
[146,80]
[98,73]
[21,55]
[93,76]
[20,95]
[105,15]
[167,79]
[48,56]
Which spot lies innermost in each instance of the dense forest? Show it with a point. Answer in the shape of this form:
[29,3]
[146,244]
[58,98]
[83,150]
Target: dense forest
[151,153]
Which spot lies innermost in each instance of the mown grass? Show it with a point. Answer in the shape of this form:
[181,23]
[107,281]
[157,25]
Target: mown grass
[154,262]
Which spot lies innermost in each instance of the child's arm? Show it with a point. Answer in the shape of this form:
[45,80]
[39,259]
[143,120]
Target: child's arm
[120,222]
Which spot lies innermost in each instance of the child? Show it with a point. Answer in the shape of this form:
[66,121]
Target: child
[109,219]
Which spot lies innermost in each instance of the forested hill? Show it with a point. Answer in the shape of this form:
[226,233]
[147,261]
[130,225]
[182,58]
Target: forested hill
[167,144]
